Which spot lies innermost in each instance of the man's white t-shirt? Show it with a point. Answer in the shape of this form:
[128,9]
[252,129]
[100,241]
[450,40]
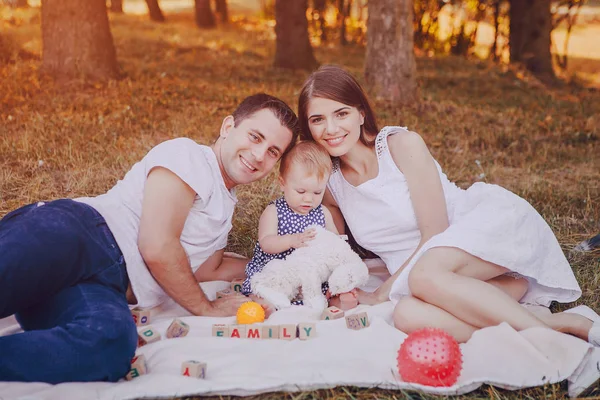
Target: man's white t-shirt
[206,227]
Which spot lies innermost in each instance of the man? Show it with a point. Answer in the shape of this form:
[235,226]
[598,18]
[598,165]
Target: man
[69,267]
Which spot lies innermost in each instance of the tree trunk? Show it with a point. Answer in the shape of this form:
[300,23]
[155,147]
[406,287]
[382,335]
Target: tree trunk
[292,49]
[529,37]
[390,67]
[116,6]
[154,10]
[204,15]
[342,14]
[221,9]
[76,40]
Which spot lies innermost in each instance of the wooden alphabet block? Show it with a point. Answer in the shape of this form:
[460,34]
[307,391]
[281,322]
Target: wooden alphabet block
[332,313]
[223,293]
[141,316]
[357,321]
[237,331]
[236,285]
[220,330]
[147,335]
[287,332]
[307,330]
[270,332]
[253,332]
[194,369]
[138,367]
[178,328]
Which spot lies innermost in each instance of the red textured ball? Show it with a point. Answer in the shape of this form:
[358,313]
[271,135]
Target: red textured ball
[431,357]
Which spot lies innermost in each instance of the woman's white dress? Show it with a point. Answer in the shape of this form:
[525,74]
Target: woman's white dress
[486,221]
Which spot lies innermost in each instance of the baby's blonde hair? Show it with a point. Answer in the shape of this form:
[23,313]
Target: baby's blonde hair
[312,157]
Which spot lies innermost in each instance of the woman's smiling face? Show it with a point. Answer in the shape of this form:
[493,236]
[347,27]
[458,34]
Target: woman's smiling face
[334,125]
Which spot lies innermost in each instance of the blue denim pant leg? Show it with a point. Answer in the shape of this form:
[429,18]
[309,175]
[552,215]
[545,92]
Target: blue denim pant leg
[63,275]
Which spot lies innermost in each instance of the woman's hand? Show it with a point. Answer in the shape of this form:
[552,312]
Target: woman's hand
[369,298]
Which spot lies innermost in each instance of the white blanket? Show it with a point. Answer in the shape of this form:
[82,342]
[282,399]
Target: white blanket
[337,356]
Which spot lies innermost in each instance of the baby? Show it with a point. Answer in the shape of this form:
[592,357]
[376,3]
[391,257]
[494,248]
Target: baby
[303,175]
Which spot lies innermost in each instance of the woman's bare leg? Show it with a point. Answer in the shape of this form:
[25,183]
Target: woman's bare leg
[455,281]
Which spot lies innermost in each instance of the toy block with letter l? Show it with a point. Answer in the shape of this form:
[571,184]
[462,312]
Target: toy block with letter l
[178,328]
[287,331]
[138,367]
[332,313]
[194,369]
[147,335]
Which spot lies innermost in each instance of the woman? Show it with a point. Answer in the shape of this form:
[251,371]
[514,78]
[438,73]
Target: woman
[460,260]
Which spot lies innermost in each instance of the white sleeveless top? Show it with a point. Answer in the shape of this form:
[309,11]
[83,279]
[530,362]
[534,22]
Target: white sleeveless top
[379,212]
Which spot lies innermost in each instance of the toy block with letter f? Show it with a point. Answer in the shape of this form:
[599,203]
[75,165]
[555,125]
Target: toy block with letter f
[138,367]
[220,330]
[178,328]
[194,369]
[332,313]
[147,335]
[140,316]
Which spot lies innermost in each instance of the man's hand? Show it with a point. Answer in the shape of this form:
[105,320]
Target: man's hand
[225,306]
[298,240]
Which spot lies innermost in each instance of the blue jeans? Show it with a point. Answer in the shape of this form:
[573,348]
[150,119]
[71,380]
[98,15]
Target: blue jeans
[64,276]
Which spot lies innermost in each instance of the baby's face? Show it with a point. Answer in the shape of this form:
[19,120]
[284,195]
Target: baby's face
[303,191]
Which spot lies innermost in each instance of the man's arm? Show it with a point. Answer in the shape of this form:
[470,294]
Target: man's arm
[166,204]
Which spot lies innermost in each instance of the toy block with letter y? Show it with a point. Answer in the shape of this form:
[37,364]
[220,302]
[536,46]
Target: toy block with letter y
[307,330]
[236,285]
[178,328]
[357,321]
[220,330]
[140,316]
[194,369]
[332,313]
[147,335]
[138,367]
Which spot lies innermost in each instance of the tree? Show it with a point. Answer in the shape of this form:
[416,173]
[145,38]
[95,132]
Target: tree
[154,10]
[116,6]
[16,3]
[292,46]
[390,67]
[204,15]
[76,40]
[529,37]
[221,10]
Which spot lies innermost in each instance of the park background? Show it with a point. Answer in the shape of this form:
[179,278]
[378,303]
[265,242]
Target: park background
[73,128]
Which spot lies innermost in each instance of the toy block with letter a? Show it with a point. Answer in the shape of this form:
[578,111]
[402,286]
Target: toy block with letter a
[178,328]
[332,313]
[138,367]
[236,285]
[194,369]
[237,331]
[147,335]
[307,330]
[224,293]
[357,321]
[253,332]
[220,330]
[270,332]
[140,316]
[287,331]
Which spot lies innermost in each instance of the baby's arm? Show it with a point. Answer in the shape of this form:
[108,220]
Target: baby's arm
[273,243]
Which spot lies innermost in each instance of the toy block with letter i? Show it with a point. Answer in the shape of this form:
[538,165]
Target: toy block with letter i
[236,285]
[287,331]
[307,330]
[357,321]
[178,328]
[332,313]
[270,332]
[147,335]
[138,367]
[220,330]
[194,369]
[224,293]
[237,331]
[253,332]
[140,316]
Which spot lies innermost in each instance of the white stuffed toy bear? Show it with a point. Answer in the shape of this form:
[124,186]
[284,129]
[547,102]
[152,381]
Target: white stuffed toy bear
[326,258]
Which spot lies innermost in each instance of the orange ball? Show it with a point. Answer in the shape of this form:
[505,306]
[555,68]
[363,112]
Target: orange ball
[250,313]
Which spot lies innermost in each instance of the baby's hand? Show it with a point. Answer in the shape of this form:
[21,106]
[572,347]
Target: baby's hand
[298,240]
[267,306]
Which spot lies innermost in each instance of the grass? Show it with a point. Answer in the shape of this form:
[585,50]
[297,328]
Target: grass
[479,118]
